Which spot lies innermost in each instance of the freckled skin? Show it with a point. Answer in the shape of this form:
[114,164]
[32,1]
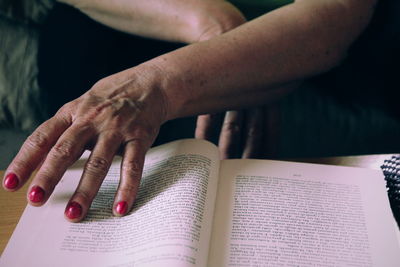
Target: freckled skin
[231,68]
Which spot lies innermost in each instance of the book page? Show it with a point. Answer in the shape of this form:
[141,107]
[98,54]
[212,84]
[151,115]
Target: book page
[271,213]
[169,225]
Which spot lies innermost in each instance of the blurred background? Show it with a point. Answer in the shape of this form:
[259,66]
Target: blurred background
[51,53]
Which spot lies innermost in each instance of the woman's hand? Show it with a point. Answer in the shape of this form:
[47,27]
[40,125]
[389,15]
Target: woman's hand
[244,67]
[121,113]
[249,133]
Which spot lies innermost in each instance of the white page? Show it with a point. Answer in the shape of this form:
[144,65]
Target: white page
[271,213]
[176,228]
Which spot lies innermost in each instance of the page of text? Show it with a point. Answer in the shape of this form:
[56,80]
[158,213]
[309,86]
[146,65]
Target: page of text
[273,213]
[169,225]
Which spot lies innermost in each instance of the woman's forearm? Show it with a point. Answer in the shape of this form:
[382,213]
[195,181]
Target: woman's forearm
[242,67]
[123,112]
[172,20]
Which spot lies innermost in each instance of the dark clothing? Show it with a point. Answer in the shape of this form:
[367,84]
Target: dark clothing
[350,110]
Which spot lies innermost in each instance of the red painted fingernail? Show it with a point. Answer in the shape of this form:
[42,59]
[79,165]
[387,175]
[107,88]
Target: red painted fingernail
[122,207]
[73,210]
[36,194]
[11,181]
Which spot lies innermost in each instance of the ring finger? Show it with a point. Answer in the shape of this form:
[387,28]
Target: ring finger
[131,173]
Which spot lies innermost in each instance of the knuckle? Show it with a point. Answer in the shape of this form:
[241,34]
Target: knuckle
[21,164]
[254,132]
[85,196]
[146,132]
[63,150]
[103,82]
[132,169]
[113,136]
[128,189]
[141,138]
[66,108]
[97,166]
[64,115]
[84,122]
[231,126]
[46,179]
[38,139]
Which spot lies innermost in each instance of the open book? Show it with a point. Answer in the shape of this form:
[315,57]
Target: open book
[195,210]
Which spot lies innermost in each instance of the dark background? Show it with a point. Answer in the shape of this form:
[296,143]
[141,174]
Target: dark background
[351,110]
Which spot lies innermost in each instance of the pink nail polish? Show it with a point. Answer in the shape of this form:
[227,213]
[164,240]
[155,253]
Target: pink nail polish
[36,194]
[122,207]
[73,210]
[11,181]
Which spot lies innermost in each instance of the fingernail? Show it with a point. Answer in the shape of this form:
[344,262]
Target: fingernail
[122,207]
[73,210]
[36,194]
[11,181]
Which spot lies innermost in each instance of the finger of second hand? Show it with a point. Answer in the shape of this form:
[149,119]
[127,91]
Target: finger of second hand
[253,134]
[208,127]
[229,140]
[131,173]
[94,172]
[65,152]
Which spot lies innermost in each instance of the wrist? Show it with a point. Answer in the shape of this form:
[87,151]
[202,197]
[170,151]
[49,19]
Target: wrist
[140,86]
[168,81]
[154,81]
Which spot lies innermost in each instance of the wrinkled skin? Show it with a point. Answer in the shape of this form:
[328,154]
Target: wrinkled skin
[119,114]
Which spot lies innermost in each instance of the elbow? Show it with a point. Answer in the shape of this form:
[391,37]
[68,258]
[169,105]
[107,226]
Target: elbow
[214,20]
[334,56]
[337,59]
[336,27]
[356,18]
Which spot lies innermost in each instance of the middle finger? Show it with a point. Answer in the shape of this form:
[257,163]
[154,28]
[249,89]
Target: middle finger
[254,133]
[95,171]
[229,140]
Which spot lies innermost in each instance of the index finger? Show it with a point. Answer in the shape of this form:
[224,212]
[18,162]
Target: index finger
[33,151]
